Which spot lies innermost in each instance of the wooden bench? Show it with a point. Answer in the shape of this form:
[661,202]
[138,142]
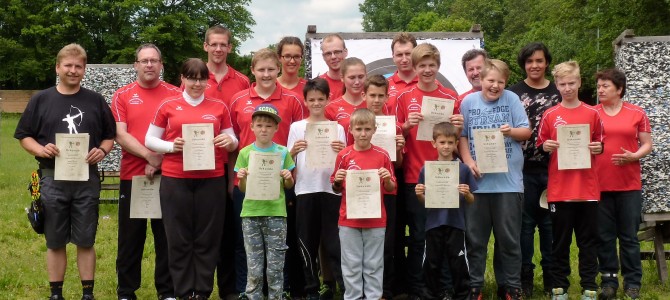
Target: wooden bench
[656,227]
[109,187]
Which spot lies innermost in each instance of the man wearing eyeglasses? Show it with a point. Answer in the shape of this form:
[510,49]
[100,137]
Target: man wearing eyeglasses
[334,52]
[133,106]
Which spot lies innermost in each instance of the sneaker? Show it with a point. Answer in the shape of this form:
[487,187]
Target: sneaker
[242,296]
[527,281]
[607,293]
[632,293]
[558,294]
[589,295]
[326,293]
[513,294]
[87,297]
[170,298]
[475,294]
[56,297]
[501,293]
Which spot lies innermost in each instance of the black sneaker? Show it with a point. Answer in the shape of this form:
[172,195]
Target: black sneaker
[527,281]
[513,294]
[87,297]
[242,296]
[501,293]
[475,294]
[632,293]
[326,293]
[56,297]
[413,297]
[607,293]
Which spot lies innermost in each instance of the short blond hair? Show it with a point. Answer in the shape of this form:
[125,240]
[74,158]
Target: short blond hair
[423,51]
[332,37]
[362,116]
[568,68]
[495,65]
[262,54]
[71,50]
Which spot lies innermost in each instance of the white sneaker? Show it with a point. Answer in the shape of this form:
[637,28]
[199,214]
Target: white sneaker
[558,294]
[589,295]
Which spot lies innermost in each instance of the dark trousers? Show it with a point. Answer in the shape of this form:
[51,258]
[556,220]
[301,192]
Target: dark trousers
[619,216]
[446,244]
[239,252]
[389,241]
[294,278]
[582,219]
[416,220]
[316,223]
[225,269]
[398,282]
[131,236]
[535,216]
[193,215]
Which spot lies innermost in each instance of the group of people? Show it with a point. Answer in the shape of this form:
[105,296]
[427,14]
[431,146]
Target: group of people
[303,241]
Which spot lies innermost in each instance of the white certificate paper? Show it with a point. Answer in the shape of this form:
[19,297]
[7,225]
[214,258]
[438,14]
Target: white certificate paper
[490,150]
[364,200]
[145,200]
[198,151]
[263,179]
[384,137]
[319,136]
[573,149]
[71,162]
[442,179]
[434,110]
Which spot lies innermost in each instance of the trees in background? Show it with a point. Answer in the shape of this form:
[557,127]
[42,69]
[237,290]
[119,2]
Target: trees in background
[32,32]
[572,29]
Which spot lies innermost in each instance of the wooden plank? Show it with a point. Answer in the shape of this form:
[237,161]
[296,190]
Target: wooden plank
[646,235]
[651,255]
[660,254]
[665,216]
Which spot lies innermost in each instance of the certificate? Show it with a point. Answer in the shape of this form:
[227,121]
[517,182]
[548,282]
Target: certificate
[71,162]
[364,200]
[145,200]
[198,151]
[384,136]
[442,179]
[263,181]
[490,150]
[573,149]
[434,110]
[319,152]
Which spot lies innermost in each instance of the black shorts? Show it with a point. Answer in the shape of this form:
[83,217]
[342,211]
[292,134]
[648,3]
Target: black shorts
[70,211]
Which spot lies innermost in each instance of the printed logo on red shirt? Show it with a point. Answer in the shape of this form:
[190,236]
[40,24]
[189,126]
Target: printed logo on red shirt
[179,108]
[559,121]
[209,117]
[342,115]
[414,107]
[135,100]
[353,166]
[248,110]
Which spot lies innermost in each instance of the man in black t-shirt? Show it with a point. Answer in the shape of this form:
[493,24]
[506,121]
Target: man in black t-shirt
[70,207]
[537,95]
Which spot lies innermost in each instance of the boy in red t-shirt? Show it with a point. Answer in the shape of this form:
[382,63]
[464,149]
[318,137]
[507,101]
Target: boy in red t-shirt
[362,240]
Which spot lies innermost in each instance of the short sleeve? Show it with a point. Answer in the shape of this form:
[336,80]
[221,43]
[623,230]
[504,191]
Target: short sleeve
[242,159]
[289,164]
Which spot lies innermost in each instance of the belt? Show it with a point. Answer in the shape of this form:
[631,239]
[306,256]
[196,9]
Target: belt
[47,172]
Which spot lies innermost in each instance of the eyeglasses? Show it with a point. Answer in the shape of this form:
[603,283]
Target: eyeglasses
[289,57]
[145,62]
[196,80]
[216,46]
[331,53]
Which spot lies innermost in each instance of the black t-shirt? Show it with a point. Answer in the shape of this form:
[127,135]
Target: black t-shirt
[50,112]
[535,101]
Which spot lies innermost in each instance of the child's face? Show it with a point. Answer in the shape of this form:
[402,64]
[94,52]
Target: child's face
[427,69]
[568,86]
[266,71]
[375,98]
[362,133]
[493,85]
[445,145]
[264,129]
[316,102]
[354,79]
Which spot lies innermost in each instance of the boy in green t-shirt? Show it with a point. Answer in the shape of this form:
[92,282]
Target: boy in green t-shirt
[264,221]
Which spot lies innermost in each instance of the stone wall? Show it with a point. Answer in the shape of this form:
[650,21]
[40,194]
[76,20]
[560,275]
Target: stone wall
[646,62]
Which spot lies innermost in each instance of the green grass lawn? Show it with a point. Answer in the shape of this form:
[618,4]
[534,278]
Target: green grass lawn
[22,252]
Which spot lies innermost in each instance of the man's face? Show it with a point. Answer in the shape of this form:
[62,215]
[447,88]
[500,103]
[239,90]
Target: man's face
[334,53]
[402,56]
[71,70]
[472,69]
[536,66]
[217,48]
[427,69]
[148,66]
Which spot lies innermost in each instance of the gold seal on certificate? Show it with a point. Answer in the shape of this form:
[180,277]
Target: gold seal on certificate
[263,181]
[71,162]
[384,136]
[434,110]
[442,179]
[363,194]
[319,136]
[145,200]
[490,150]
[573,149]
[198,151]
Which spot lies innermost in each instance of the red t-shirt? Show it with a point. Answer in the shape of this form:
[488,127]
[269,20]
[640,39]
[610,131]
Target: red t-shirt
[336,86]
[418,152]
[231,84]
[462,96]
[340,110]
[622,132]
[135,105]
[396,86]
[298,89]
[570,185]
[173,113]
[371,159]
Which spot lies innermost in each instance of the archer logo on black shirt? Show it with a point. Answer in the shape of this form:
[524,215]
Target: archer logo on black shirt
[72,117]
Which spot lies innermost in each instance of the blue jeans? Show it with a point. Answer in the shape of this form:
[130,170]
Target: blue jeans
[535,216]
[619,217]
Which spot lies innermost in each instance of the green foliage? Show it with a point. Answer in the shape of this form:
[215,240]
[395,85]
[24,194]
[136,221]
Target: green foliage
[32,32]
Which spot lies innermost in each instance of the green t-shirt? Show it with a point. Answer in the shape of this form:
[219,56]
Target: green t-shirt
[265,208]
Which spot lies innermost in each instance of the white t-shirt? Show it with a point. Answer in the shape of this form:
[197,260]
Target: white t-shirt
[308,179]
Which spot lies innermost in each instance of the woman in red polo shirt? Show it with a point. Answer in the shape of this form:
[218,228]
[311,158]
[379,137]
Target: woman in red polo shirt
[290,50]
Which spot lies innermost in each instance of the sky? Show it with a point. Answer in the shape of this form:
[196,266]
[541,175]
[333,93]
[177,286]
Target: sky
[278,18]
